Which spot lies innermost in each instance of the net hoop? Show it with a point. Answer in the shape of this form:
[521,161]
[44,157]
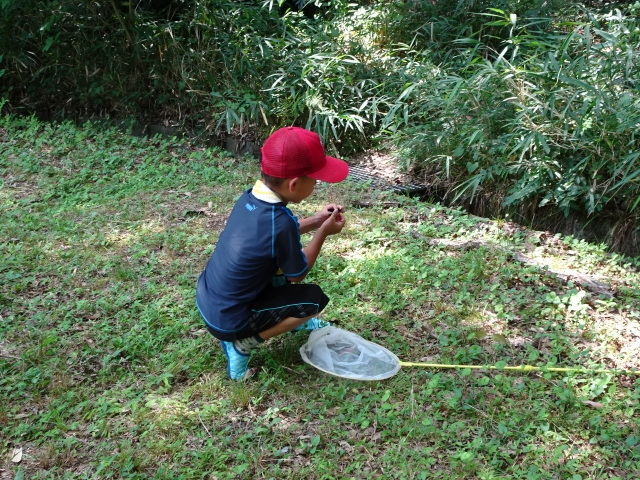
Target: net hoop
[329,330]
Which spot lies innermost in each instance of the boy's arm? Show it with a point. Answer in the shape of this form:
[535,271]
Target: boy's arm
[309,224]
[331,226]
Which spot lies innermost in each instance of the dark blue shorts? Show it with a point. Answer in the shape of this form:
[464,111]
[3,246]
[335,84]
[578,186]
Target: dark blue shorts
[297,300]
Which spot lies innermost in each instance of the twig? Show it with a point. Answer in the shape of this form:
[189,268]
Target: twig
[413,415]
[481,413]
[205,427]
[121,20]
[358,203]
[375,427]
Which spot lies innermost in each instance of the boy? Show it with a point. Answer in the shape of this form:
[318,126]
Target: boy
[250,290]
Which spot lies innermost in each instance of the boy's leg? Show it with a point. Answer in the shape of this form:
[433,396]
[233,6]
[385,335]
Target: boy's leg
[239,351]
[278,310]
[285,325]
[282,309]
[310,325]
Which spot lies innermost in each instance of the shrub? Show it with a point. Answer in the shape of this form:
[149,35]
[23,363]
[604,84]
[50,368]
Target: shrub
[551,115]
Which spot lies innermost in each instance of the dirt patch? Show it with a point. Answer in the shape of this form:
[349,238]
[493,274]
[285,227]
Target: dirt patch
[19,188]
[215,220]
[8,351]
[382,165]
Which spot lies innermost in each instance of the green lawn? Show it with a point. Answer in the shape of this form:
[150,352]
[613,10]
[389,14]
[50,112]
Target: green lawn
[107,371]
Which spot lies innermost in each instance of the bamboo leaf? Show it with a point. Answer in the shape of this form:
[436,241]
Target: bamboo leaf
[543,142]
[501,56]
[578,83]
[407,91]
[518,194]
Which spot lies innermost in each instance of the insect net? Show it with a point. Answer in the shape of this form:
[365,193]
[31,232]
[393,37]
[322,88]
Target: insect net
[347,355]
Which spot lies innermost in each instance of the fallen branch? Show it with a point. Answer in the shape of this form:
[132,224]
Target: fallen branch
[461,244]
[567,274]
[358,203]
[586,281]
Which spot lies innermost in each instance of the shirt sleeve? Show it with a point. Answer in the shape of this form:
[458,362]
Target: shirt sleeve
[287,247]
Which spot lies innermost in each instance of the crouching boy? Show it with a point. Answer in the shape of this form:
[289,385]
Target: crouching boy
[250,289]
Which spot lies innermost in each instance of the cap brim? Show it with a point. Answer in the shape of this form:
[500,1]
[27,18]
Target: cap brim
[334,171]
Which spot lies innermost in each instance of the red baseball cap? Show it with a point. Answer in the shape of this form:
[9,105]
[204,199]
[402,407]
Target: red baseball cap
[295,152]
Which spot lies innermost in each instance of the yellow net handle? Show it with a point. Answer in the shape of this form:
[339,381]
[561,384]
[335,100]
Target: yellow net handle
[520,368]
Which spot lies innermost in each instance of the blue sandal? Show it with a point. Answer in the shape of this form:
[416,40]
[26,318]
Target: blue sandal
[311,325]
[237,363]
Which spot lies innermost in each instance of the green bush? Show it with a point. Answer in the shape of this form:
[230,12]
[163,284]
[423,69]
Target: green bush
[532,102]
[550,116]
[218,64]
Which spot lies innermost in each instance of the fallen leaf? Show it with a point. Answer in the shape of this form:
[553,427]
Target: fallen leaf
[593,404]
[16,456]
[347,448]
[497,338]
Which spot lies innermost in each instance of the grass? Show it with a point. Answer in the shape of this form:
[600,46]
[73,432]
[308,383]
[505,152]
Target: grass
[107,371]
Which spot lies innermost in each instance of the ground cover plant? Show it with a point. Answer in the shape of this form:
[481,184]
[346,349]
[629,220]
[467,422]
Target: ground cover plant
[107,371]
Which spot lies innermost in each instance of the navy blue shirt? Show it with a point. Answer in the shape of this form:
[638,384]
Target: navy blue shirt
[259,239]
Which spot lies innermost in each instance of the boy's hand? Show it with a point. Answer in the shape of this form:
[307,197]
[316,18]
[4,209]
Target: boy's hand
[326,212]
[315,222]
[334,223]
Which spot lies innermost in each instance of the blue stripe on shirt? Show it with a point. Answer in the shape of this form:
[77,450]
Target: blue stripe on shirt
[273,232]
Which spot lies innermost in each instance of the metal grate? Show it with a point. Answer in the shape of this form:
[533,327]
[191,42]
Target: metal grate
[362,175]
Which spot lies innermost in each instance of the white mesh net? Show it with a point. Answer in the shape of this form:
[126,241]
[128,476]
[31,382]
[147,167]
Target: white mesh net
[348,355]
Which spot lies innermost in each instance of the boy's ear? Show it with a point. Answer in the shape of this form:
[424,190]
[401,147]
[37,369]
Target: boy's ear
[292,184]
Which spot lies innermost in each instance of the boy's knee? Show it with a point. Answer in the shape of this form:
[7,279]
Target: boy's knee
[320,297]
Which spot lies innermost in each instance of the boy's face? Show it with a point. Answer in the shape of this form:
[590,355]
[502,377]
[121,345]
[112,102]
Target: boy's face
[302,188]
